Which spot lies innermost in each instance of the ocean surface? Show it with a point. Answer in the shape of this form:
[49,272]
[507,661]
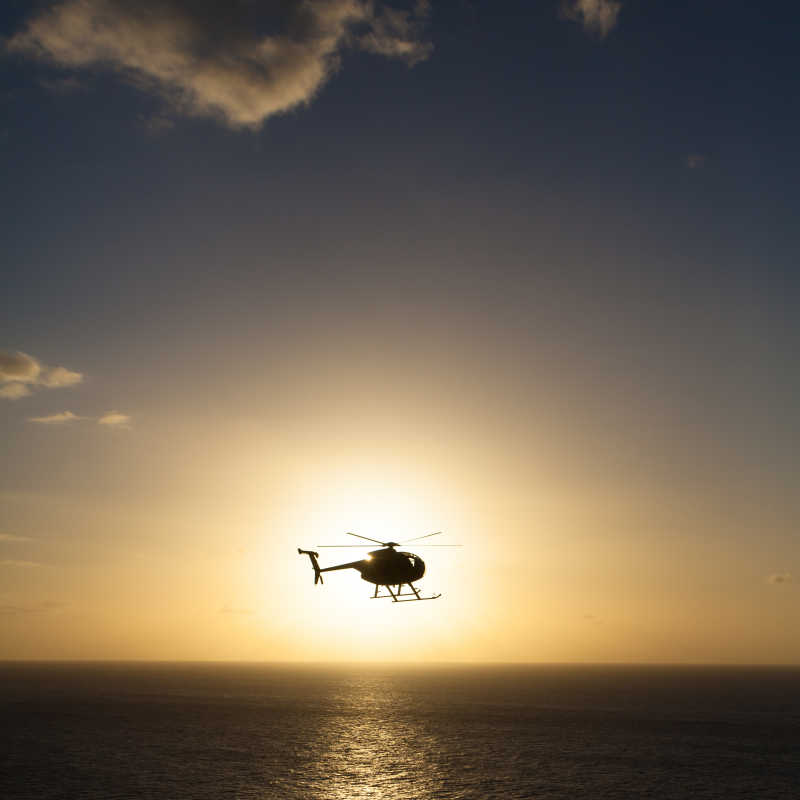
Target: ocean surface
[256,732]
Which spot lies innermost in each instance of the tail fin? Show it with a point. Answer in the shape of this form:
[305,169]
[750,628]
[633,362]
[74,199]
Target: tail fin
[314,563]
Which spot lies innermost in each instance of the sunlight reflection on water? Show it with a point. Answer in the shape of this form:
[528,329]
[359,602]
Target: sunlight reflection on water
[374,747]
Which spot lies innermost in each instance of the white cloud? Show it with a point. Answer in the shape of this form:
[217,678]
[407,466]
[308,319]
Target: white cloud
[596,16]
[217,59]
[19,372]
[56,419]
[114,419]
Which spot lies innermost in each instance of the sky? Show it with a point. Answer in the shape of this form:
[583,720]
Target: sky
[522,272]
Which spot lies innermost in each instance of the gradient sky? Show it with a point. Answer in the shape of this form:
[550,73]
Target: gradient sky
[522,272]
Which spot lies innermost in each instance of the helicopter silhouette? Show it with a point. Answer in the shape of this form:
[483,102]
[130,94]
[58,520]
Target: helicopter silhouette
[386,568]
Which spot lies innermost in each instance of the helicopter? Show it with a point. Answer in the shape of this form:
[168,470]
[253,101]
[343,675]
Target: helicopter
[386,568]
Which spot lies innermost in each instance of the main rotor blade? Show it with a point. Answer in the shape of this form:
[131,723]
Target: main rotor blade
[417,538]
[363,546]
[359,536]
[339,546]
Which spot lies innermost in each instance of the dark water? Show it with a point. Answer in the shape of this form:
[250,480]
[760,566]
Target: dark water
[114,732]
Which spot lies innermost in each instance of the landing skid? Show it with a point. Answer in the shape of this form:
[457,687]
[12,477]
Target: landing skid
[396,594]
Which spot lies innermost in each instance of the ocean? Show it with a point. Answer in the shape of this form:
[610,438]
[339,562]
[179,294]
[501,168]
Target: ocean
[345,732]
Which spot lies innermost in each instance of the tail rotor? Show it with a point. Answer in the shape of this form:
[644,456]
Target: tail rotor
[314,563]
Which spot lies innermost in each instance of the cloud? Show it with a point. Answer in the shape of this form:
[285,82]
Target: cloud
[780,577]
[14,390]
[10,562]
[19,372]
[37,608]
[114,419]
[56,377]
[156,124]
[695,161]
[240,61]
[397,33]
[56,419]
[596,16]
[19,367]
[111,419]
[65,85]
[10,537]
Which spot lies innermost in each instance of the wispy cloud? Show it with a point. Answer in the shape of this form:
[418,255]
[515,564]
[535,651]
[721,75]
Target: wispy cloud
[780,577]
[14,390]
[20,371]
[66,85]
[12,562]
[111,419]
[56,377]
[695,161]
[61,418]
[49,607]
[10,537]
[156,124]
[114,419]
[596,16]
[239,61]
[397,33]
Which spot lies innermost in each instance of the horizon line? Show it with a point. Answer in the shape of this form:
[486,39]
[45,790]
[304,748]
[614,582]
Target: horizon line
[438,663]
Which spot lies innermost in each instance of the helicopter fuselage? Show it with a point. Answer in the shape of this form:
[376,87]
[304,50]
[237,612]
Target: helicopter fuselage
[389,566]
[384,567]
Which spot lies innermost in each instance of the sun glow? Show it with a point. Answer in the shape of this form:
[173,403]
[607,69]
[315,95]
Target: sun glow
[340,619]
